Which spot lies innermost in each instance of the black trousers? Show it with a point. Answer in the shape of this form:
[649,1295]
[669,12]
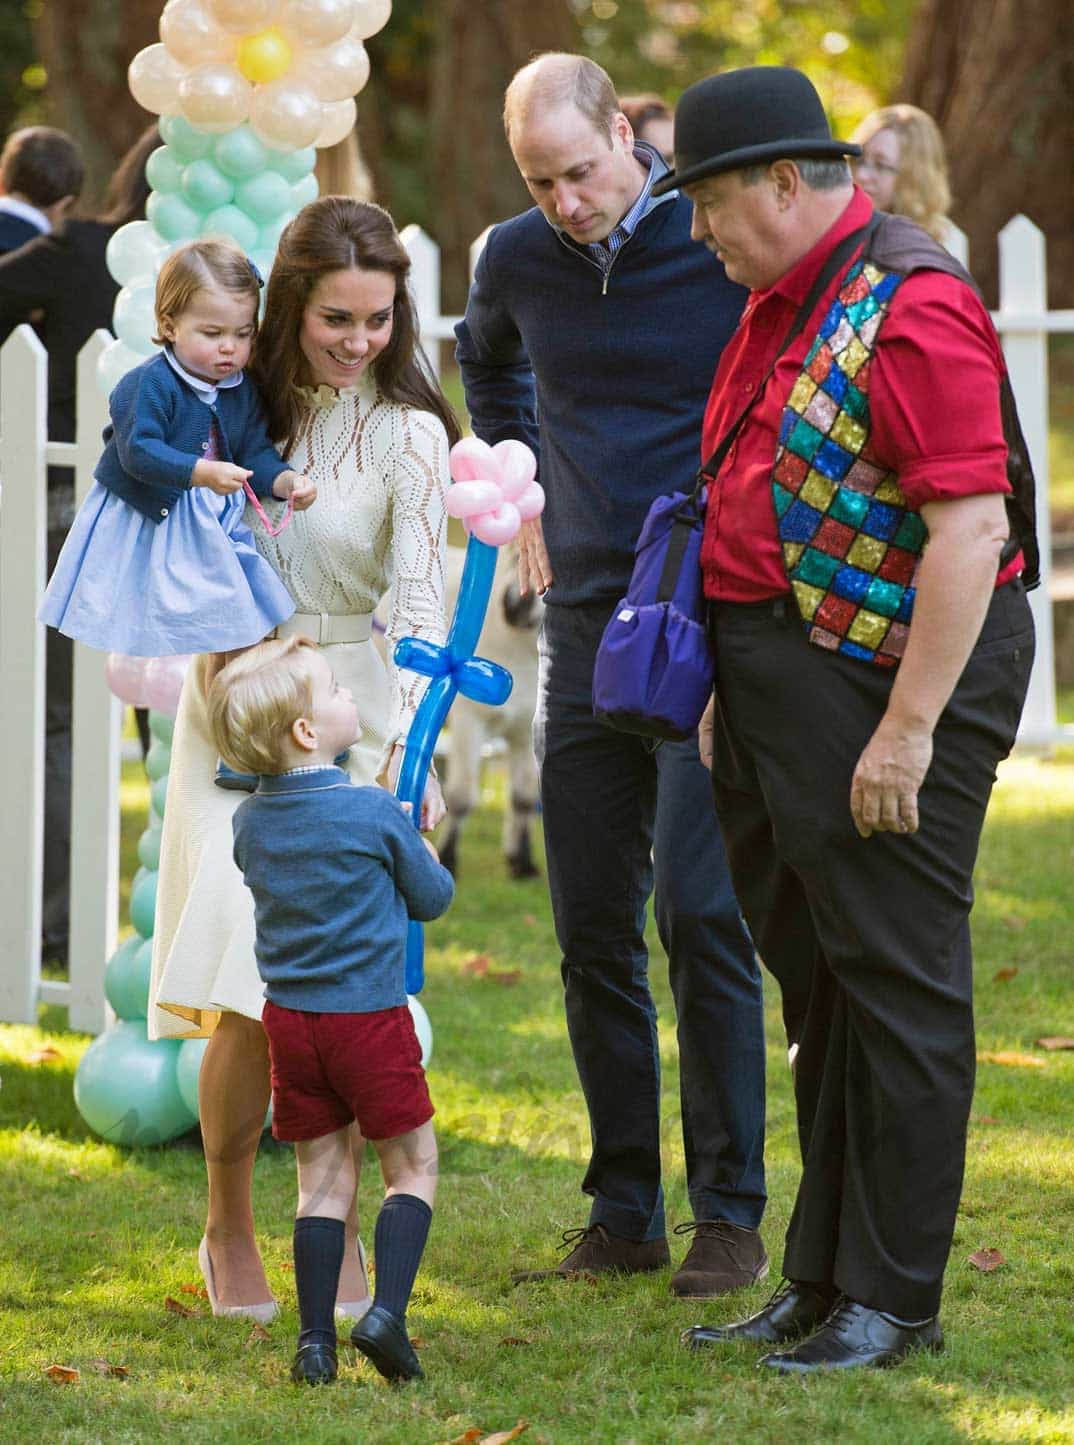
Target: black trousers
[869,938]
[59,663]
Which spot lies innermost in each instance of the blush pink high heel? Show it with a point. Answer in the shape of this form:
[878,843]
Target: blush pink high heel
[264,1314]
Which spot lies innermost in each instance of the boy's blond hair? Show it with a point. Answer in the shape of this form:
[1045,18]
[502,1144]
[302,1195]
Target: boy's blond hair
[256,700]
[202,266]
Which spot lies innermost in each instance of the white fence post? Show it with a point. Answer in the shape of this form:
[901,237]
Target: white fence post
[23,522]
[425,284]
[96,718]
[1022,303]
[958,243]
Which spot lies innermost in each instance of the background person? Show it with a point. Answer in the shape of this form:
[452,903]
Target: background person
[652,120]
[902,167]
[569,319]
[866,688]
[353,407]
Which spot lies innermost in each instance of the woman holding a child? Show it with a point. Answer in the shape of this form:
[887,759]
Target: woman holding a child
[351,405]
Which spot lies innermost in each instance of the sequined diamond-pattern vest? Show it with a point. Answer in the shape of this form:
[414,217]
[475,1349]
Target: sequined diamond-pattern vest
[851,543]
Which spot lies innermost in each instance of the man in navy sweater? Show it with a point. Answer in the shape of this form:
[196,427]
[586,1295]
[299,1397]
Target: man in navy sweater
[595,313]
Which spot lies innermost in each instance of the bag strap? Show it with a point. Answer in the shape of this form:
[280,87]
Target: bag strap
[841,253]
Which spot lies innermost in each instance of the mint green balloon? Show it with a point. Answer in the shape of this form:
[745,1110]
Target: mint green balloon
[264,197]
[149,848]
[144,903]
[126,1088]
[187,143]
[304,191]
[293,165]
[161,725]
[158,792]
[126,978]
[164,170]
[239,153]
[269,236]
[158,759]
[230,221]
[174,218]
[188,1071]
[205,187]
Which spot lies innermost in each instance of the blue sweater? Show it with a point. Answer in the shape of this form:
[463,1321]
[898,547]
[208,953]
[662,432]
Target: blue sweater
[160,430]
[335,871]
[618,372]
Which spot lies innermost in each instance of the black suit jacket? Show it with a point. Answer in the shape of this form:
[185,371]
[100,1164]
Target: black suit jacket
[15,232]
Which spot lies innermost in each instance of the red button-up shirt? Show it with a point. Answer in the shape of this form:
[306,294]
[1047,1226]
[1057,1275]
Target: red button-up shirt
[933,405]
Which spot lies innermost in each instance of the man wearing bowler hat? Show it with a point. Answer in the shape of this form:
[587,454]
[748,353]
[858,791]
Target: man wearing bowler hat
[868,538]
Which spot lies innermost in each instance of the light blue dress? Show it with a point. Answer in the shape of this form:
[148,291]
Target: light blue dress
[194,582]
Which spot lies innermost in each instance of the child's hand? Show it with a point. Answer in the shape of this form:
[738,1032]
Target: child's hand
[302,492]
[223,478]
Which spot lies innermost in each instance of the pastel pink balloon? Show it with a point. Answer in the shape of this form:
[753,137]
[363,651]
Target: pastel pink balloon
[531,503]
[467,499]
[497,527]
[164,682]
[518,465]
[126,678]
[473,460]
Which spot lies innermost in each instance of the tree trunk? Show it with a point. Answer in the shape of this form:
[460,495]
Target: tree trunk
[86,47]
[998,76]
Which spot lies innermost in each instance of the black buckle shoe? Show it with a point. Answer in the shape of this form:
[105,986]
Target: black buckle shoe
[314,1365]
[384,1342]
[793,1310]
[853,1336]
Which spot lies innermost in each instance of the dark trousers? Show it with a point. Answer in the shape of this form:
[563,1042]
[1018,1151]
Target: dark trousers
[59,654]
[618,812]
[869,937]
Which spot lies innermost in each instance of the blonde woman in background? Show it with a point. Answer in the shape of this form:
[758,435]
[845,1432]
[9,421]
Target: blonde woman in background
[903,168]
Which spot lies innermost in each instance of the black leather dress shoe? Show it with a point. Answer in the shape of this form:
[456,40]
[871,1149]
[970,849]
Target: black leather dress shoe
[854,1335]
[314,1365]
[793,1310]
[383,1340]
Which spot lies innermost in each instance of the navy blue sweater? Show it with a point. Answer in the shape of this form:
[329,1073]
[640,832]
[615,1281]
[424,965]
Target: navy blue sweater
[335,871]
[160,430]
[619,378]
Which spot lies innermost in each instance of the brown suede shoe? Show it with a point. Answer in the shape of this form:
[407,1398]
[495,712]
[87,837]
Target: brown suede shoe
[598,1252]
[723,1257]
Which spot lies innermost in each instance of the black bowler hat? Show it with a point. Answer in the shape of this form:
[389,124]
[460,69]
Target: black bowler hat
[749,117]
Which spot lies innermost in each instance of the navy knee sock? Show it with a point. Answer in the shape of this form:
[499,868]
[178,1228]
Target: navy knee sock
[318,1245]
[398,1241]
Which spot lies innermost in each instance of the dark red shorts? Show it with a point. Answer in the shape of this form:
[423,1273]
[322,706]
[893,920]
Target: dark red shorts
[330,1069]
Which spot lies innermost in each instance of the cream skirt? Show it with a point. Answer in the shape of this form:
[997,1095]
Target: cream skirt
[203,939]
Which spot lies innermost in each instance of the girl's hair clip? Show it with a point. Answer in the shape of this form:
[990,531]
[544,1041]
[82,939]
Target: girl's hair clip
[257,274]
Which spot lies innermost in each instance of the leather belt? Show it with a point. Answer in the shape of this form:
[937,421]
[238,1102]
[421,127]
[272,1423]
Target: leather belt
[327,627]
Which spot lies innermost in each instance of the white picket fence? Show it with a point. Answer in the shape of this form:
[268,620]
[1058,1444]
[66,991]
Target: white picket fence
[1023,320]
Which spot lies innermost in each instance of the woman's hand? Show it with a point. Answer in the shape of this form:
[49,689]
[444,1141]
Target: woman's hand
[433,807]
[299,489]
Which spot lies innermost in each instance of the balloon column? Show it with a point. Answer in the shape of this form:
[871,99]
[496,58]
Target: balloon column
[127,1089]
[245,89]
[493,493]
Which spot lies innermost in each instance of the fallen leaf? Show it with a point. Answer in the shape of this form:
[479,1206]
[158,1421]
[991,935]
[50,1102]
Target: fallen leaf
[1015,921]
[257,1336]
[468,1437]
[1054,1041]
[984,1119]
[478,965]
[178,1309]
[286,1264]
[530,920]
[63,1374]
[1010,1060]
[75,1174]
[986,1260]
[1004,975]
[198,1289]
[507,977]
[418,1341]
[105,1367]
[44,1055]
[515,1340]
[502,1436]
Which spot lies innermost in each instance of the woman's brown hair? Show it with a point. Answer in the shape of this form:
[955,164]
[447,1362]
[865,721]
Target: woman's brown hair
[336,233]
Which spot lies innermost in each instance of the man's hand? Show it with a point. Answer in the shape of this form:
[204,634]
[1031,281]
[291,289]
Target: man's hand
[883,792]
[533,564]
[223,478]
[704,734]
[301,491]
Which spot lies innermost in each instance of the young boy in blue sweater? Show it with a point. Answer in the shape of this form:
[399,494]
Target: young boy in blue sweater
[335,870]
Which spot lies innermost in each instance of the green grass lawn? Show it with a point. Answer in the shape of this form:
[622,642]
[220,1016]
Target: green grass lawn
[95,1238]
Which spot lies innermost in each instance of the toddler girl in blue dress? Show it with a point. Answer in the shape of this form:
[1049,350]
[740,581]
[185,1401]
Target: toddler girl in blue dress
[159,560]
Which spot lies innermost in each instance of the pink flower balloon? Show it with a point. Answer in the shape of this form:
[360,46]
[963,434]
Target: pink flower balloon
[164,682]
[497,527]
[468,499]
[473,460]
[530,503]
[518,466]
[126,678]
